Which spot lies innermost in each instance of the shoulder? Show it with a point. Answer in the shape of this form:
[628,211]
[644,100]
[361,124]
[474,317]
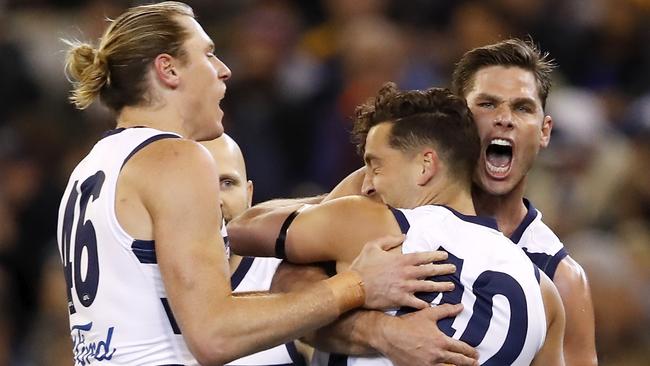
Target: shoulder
[168,167]
[166,158]
[570,277]
[351,207]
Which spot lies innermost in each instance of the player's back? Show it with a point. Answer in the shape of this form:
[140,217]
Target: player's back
[503,315]
[118,307]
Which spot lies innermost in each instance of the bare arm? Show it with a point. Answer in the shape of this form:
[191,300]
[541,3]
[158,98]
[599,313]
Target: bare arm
[579,336]
[413,339]
[551,353]
[349,186]
[337,230]
[176,183]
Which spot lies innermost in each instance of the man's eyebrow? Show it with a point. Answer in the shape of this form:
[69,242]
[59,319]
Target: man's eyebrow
[527,100]
[488,97]
[233,177]
[368,157]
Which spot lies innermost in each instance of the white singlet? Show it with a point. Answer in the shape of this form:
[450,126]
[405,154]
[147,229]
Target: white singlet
[503,315]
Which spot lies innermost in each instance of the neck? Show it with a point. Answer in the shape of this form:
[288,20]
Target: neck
[452,194]
[163,118]
[508,209]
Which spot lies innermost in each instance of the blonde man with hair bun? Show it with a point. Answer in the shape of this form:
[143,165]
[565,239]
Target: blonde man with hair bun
[145,264]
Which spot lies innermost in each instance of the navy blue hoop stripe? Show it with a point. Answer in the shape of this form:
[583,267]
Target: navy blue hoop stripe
[243,268]
[145,251]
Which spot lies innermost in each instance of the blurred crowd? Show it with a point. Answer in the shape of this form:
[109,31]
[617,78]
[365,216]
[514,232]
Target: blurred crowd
[299,68]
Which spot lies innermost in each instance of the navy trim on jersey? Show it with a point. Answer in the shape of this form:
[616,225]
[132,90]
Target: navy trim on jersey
[479,220]
[112,132]
[147,142]
[243,268]
[555,261]
[545,262]
[297,357]
[115,131]
[401,220]
[528,219]
[170,316]
[145,251]
[337,359]
[537,275]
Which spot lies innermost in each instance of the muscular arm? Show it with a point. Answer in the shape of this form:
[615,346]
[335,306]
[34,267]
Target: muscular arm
[579,339]
[551,352]
[175,181]
[349,186]
[409,340]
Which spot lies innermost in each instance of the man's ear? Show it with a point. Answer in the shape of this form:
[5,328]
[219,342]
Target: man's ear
[249,192]
[547,126]
[428,166]
[165,70]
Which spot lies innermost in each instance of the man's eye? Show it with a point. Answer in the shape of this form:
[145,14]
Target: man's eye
[227,183]
[486,105]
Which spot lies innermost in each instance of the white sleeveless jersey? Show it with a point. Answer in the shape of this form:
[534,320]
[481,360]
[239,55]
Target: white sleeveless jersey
[255,274]
[119,314]
[503,315]
[538,241]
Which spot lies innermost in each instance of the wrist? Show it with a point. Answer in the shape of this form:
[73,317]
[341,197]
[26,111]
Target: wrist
[347,289]
[377,338]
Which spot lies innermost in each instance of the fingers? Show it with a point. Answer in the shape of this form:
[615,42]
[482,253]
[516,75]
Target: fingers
[460,351]
[428,286]
[460,359]
[431,269]
[444,311]
[425,257]
[412,301]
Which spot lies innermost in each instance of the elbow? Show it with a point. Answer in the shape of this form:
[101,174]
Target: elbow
[216,351]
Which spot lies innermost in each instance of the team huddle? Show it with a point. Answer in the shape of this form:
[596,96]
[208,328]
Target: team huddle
[427,254]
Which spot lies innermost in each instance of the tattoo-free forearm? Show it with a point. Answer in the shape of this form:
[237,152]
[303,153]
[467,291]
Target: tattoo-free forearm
[353,333]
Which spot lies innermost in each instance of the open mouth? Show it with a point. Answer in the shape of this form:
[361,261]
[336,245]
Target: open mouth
[498,158]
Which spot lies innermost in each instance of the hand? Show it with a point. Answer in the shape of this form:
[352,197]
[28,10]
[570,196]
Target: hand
[391,279]
[414,339]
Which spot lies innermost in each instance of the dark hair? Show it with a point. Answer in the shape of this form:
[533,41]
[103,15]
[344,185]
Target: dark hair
[511,52]
[423,117]
[116,70]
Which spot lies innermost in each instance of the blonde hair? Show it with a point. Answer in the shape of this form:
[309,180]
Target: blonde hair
[115,71]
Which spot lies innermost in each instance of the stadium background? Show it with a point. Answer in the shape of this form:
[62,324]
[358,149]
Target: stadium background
[299,67]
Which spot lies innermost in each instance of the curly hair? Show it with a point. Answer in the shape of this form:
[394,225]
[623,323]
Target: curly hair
[434,117]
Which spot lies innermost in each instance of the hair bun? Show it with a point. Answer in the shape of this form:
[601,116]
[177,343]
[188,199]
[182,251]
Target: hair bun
[89,72]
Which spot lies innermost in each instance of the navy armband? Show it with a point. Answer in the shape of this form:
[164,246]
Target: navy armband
[282,236]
